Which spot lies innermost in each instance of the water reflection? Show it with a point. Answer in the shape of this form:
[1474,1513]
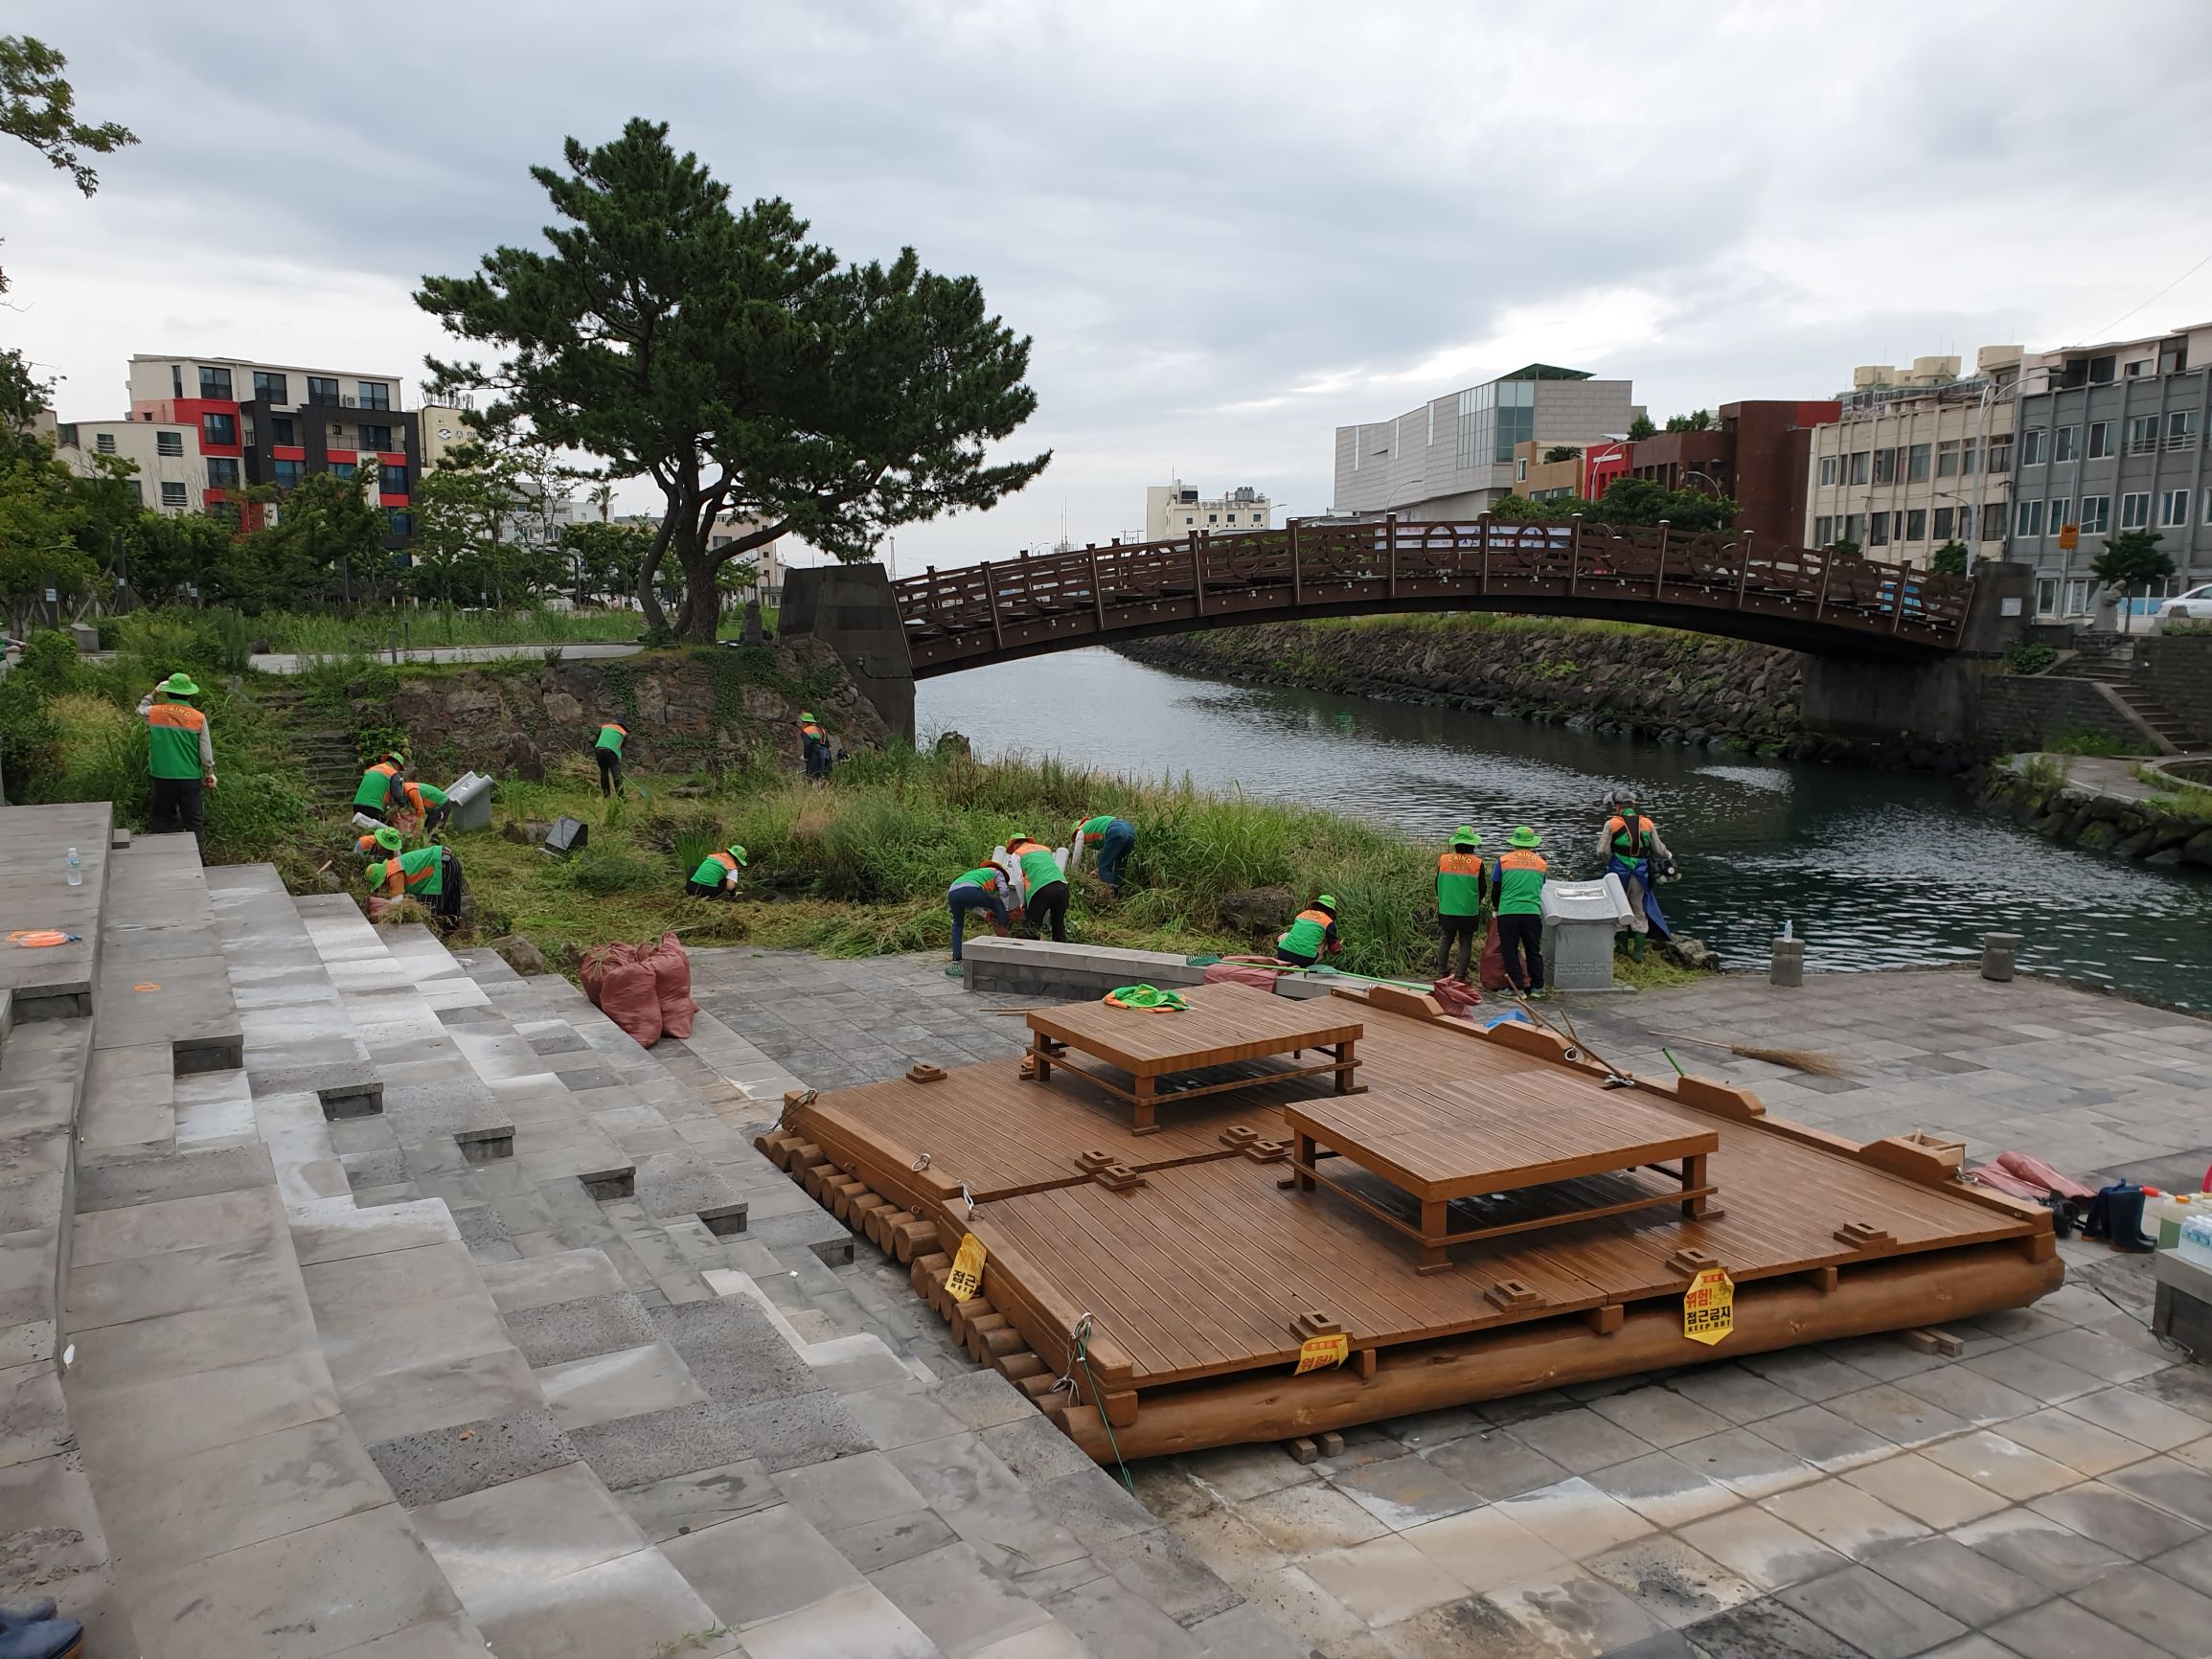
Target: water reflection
[1875,869]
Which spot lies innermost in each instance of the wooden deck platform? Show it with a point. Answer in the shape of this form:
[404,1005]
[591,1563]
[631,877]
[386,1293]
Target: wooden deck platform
[1197,1274]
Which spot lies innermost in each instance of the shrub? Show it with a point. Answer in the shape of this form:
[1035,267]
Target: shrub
[49,660]
[31,757]
[2046,772]
[2030,658]
[2090,743]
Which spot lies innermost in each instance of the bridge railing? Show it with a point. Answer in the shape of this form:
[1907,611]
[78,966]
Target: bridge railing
[1018,604]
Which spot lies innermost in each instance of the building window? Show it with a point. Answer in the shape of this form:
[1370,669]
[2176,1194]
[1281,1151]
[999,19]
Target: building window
[2000,454]
[2181,429]
[396,520]
[275,388]
[2032,443]
[223,472]
[1188,519]
[2142,434]
[1885,467]
[1823,528]
[1993,521]
[282,430]
[1947,459]
[1520,469]
[1969,457]
[2101,371]
[1916,463]
[376,438]
[375,395]
[1916,523]
[1213,517]
[2067,444]
[2100,440]
[219,430]
[289,473]
[2061,507]
[1861,463]
[2135,510]
[2172,509]
[2047,593]
[176,379]
[2028,518]
[172,494]
[1878,530]
[2096,513]
[104,443]
[341,469]
[214,383]
[1855,528]
[1945,517]
[392,481]
[1827,472]
[322,391]
[168,443]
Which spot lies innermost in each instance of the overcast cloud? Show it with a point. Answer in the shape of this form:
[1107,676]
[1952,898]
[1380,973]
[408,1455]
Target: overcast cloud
[1228,227]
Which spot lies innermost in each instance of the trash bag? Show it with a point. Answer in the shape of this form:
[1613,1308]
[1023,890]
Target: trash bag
[629,996]
[1455,995]
[592,971]
[1241,973]
[672,971]
[1492,971]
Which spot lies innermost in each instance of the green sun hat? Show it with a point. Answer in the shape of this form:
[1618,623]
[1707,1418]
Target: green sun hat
[803,714]
[1464,836]
[390,839]
[1327,901]
[1524,836]
[180,685]
[738,853]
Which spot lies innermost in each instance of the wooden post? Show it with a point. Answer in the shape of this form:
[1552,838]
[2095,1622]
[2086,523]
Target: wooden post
[991,593]
[1097,594]
[1574,553]
[1827,568]
[1197,573]
[1485,521]
[1297,589]
[1390,553]
[1659,581]
[1742,569]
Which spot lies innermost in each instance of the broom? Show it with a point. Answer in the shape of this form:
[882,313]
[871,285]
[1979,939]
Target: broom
[1809,1060]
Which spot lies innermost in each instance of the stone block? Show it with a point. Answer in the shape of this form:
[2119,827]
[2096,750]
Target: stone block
[151,1179]
[724,1219]
[361,1100]
[486,1145]
[834,1252]
[555,1332]
[617,1182]
[437,1465]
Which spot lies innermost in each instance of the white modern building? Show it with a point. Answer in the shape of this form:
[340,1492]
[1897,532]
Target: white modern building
[1174,510]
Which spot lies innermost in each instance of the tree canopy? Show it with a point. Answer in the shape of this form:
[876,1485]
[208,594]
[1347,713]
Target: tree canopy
[1948,560]
[1627,501]
[742,366]
[39,107]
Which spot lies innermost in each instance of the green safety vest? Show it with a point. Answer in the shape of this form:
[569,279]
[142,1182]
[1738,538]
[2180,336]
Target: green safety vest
[1093,829]
[1520,877]
[377,784]
[423,872]
[1040,869]
[1631,841]
[431,794]
[173,741]
[715,868]
[1459,884]
[1309,934]
[987,879]
[610,736]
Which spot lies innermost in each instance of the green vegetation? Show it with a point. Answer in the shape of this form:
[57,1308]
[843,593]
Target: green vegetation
[2130,561]
[2045,771]
[1948,560]
[2030,658]
[1627,501]
[2090,743]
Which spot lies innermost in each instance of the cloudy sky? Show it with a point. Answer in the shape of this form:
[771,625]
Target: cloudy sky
[1229,227]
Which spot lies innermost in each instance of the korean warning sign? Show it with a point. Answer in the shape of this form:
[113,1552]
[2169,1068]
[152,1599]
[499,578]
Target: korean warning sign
[967,1276]
[1316,1352]
[1709,1307]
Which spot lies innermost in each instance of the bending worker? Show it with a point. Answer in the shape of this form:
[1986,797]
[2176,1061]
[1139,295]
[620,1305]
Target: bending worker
[378,784]
[430,875]
[426,800]
[1516,896]
[1630,843]
[979,888]
[1113,837]
[717,874]
[814,747]
[179,756]
[607,752]
[1044,884]
[1311,934]
[1461,902]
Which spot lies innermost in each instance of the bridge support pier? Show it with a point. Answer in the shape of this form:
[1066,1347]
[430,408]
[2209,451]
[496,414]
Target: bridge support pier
[1938,704]
[850,608]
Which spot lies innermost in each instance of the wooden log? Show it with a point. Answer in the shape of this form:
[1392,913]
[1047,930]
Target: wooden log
[995,1345]
[959,1313]
[1021,1363]
[838,1192]
[977,1327]
[1038,1384]
[913,1239]
[1894,1294]
[937,1263]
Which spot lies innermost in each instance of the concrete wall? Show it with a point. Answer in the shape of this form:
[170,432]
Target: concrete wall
[850,608]
[1959,704]
[2018,713]
[2177,669]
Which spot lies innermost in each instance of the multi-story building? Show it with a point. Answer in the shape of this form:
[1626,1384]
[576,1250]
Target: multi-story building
[766,560]
[1172,510]
[1539,477]
[1453,457]
[2112,438]
[1917,459]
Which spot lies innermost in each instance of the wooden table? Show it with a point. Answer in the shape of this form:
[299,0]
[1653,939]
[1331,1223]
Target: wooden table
[1467,1144]
[1224,1024]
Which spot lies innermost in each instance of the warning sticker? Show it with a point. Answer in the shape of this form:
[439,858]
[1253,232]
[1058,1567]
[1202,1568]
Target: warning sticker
[1316,1352]
[967,1276]
[1709,1307]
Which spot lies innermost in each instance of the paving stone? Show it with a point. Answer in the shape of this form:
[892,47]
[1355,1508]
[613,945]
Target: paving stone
[2079,1444]
[1658,1416]
[1093,1505]
[733,1349]
[2147,1421]
[1034,1449]
[1112,1622]
[1670,1580]
[635,1603]
[2063,1630]
[852,1621]
[1880,1618]
[1842,1517]
[889,1539]
[1663,1489]
[2038,1549]
[955,1600]
[439,1393]
[2151,1606]
[1242,1633]
[450,1463]
[134,1426]
[498,1545]
[590,1325]
[1580,1439]
[1765,1629]
[1745,1463]
[626,1383]
[903,1416]
[984,1400]
[2125,1524]
[1312,1515]
[1246,1471]
[118,1183]
[1924,1489]
[1734,1393]
[1483,1549]
[847,1490]
[1821,1437]
[1761,1547]
[1494,1466]
[1964,1582]
[761,1565]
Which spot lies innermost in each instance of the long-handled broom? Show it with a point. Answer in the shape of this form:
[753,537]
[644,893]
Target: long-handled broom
[1809,1060]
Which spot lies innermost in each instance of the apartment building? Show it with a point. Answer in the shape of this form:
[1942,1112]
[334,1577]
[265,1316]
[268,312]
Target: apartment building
[1541,478]
[1454,456]
[1176,510]
[2112,438]
[1917,459]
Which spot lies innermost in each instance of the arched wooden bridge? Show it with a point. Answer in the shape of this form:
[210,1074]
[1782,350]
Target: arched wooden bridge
[1719,584]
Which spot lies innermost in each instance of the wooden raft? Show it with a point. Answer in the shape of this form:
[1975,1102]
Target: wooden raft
[1202,1275]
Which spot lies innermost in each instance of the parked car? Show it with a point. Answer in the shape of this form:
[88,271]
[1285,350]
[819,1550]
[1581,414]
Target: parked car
[2194,605]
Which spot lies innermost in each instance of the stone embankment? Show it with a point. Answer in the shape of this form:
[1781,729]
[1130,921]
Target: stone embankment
[2101,806]
[1647,683]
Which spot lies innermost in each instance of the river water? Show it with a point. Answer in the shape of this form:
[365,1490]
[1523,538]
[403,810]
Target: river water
[1872,869]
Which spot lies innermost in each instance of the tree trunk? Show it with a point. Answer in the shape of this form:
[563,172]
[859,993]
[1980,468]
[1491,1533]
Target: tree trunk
[702,600]
[649,602]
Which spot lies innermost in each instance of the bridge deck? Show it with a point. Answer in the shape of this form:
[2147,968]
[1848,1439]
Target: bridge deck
[1719,582]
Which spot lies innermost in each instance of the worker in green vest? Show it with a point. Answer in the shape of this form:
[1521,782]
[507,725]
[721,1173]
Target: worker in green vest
[1113,837]
[607,752]
[982,888]
[378,784]
[1516,896]
[1043,885]
[814,749]
[1311,935]
[1461,901]
[427,802]
[717,874]
[179,756]
[430,875]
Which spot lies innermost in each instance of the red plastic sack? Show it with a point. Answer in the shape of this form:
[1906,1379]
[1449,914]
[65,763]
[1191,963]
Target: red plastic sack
[1240,973]
[1492,971]
[1455,995]
[672,971]
[630,996]
[2022,1166]
[592,971]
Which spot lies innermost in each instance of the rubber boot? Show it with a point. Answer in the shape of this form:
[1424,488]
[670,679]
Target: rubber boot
[29,1613]
[2125,1220]
[48,1639]
[1635,947]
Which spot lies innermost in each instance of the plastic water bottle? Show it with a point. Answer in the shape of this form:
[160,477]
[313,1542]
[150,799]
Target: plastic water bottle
[2196,1239]
[1788,929]
[76,869]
